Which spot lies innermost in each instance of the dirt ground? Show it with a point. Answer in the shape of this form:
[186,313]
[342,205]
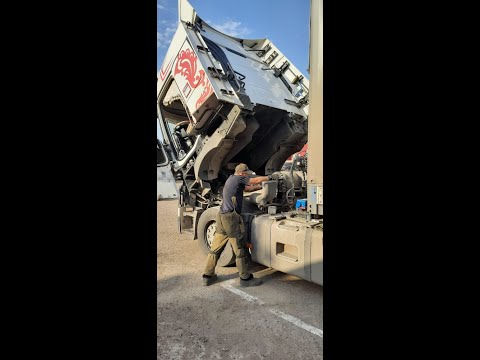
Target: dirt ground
[215,322]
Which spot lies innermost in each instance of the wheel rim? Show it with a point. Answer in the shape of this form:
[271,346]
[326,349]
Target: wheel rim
[209,233]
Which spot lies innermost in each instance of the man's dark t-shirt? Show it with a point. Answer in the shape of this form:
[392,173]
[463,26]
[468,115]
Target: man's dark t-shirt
[234,186]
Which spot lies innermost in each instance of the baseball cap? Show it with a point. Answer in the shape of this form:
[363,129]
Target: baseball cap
[243,168]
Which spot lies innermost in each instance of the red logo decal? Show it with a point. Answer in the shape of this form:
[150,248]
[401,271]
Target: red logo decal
[207,91]
[187,67]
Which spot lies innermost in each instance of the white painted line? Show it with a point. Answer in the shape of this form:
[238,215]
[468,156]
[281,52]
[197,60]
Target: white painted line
[316,331]
[229,287]
[298,322]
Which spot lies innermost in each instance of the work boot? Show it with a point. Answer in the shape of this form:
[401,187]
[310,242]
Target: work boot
[208,280]
[251,281]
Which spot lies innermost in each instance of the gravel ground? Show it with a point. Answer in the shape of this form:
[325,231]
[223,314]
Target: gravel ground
[198,322]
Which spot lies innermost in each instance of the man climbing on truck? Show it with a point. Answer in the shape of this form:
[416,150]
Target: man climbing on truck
[230,226]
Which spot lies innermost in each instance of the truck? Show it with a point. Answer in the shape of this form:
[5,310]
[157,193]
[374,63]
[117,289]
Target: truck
[223,100]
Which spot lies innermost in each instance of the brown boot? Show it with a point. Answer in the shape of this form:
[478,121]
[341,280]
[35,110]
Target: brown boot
[251,281]
[209,280]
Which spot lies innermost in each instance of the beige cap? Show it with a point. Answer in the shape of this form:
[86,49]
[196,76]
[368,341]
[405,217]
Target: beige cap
[243,168]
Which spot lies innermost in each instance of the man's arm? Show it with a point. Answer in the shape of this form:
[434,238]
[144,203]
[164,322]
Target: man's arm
[250,188]
[257,180]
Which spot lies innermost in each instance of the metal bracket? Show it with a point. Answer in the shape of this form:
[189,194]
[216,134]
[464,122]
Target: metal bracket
[201,48]
[291,102]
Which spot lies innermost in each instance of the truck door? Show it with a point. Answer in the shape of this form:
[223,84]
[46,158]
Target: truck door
[166,186]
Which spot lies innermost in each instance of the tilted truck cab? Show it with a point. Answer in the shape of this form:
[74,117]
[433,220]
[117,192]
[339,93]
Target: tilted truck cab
[222,101]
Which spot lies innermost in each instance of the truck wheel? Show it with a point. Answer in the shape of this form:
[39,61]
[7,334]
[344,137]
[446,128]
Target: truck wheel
[207,225]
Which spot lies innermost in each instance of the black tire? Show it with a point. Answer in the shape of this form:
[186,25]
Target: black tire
[207,219]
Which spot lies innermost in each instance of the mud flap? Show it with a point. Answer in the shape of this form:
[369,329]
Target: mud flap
[184,218]
[179,220]
[185,221]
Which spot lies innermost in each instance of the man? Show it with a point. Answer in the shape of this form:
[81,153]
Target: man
[230,226]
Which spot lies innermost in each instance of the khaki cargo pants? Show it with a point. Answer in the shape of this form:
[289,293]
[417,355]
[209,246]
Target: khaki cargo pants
[230,227]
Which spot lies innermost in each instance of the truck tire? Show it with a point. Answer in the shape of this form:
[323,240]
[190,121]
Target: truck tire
[206,230]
